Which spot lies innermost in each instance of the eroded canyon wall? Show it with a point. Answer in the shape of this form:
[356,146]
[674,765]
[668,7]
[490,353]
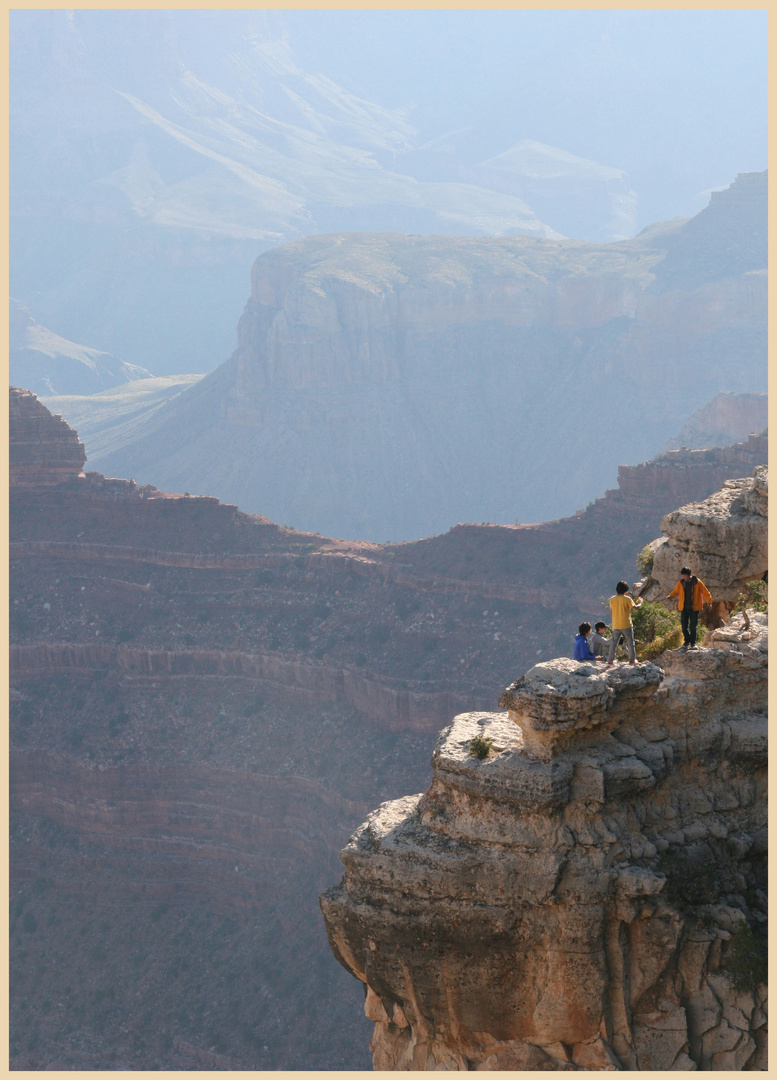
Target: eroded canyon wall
[203,704]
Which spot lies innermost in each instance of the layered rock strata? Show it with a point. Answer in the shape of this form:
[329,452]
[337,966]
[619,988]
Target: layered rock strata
[203,704]
[43,448]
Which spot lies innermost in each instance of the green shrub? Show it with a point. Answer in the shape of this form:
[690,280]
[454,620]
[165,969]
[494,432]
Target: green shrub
[481,746]
[655,630]
[746,959]
[645,560]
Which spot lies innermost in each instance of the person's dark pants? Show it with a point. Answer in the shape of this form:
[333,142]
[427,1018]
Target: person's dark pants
[688,621]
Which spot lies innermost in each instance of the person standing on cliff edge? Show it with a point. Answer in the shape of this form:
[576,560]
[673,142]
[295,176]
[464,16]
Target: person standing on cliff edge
[692,595]
[622,626]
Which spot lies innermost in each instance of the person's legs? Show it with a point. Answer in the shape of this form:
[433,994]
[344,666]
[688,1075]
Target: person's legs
[692,624]
[684,620]
[628,635]
[616,636]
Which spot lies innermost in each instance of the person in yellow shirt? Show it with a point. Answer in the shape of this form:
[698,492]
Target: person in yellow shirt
[622,626]
[692,595]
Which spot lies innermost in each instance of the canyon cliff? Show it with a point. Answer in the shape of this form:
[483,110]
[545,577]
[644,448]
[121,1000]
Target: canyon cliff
[583,884]
[204,704]
[728,418]
[386,385]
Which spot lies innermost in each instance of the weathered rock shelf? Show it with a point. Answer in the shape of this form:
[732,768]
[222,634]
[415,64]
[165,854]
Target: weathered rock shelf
[523,913]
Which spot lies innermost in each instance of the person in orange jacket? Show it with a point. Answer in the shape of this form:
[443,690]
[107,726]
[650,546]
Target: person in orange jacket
[692,595]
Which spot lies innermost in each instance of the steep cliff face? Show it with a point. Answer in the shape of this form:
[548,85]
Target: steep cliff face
[203,704]
[590,892]
[370,368]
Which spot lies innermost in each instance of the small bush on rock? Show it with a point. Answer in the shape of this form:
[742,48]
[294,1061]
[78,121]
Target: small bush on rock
[481,746]
[754,597]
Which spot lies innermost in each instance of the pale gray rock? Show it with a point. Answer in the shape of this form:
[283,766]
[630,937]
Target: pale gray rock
[722,539]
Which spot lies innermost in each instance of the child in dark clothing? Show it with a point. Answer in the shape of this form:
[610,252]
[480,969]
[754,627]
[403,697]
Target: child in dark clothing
[582,652]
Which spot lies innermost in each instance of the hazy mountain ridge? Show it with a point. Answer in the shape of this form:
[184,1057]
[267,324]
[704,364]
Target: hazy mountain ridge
[112,418]
[372,369]
[155,153]
[727,418]
[142,189]
[46,363]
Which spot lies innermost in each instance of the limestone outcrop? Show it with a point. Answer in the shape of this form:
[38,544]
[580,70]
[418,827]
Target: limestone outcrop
[583,884]
[573,900]
[723,539]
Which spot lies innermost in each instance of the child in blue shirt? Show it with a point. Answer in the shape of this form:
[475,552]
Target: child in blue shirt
[582,650]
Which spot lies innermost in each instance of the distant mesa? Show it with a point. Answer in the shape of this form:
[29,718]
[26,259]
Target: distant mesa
[728,418]
[386,386]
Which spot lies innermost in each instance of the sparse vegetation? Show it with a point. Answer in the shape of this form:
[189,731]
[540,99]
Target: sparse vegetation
[746,959]
[655,630]
[754,597]
[481,746]
[645,560]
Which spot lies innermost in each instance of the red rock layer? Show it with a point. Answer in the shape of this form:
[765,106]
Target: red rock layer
[43,449]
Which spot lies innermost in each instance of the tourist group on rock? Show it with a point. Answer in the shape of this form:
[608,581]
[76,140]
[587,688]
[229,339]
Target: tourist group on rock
[692,594]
